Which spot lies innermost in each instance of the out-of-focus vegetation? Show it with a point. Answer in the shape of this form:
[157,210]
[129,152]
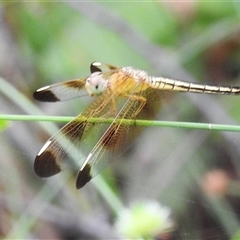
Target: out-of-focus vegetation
[193,173]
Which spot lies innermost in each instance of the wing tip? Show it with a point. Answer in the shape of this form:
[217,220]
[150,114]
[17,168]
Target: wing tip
[45,95]
[45,165]
[84,176]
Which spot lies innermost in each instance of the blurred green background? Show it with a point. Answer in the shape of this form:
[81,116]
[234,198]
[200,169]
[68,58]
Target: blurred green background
[193,173]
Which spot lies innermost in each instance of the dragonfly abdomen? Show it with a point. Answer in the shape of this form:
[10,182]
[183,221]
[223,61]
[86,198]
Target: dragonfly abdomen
[181,86]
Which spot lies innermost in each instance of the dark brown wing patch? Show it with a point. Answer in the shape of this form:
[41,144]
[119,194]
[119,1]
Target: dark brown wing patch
[45,95]
[45,164]
[84,176]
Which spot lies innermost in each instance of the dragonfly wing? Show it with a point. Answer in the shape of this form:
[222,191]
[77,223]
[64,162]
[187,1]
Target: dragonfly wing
[60,149]
[119,135]
[102,154]
[73,142]
[148,112]
[62,91]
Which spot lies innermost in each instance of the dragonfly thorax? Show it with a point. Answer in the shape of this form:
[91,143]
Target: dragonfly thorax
[96,84]
[137,75]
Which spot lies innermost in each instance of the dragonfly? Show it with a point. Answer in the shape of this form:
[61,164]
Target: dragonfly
[123,94]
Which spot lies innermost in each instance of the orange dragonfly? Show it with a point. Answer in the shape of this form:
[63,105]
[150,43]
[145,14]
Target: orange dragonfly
[121,93]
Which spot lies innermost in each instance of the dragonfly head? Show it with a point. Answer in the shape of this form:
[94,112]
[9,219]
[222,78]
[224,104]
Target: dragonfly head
[96,84]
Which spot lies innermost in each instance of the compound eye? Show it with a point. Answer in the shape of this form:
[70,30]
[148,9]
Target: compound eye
[95,67]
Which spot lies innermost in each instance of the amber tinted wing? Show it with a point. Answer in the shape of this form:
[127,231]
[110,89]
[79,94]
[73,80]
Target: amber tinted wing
[118,136]
[61,91]
[73,142]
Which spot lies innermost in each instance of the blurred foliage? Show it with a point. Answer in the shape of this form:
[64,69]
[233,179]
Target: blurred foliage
[48,42]
[3,124]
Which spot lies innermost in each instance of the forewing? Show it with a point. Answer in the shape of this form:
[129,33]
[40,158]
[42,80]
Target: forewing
[61,91]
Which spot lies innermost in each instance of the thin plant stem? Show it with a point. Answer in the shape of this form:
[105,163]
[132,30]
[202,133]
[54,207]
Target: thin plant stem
[138,122]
